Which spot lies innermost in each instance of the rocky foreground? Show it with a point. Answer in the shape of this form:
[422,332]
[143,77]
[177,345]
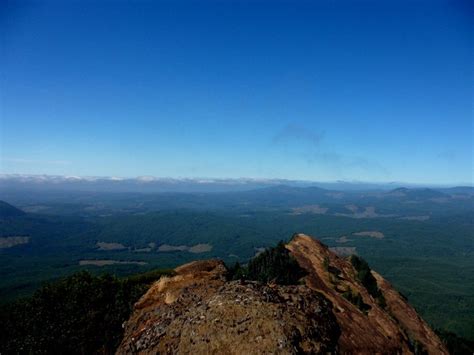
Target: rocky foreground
[198,311]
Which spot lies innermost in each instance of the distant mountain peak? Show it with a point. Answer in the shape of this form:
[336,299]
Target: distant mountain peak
[418,193]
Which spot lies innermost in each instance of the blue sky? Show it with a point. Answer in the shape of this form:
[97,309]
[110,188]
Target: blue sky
[324,90]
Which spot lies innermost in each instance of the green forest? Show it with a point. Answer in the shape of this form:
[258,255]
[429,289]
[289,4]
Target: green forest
[429,260]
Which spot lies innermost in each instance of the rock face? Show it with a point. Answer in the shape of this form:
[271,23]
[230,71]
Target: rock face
[198,311]
[395,328]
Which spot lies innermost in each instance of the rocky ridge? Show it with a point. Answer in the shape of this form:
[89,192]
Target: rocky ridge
[393,328]
[199,311]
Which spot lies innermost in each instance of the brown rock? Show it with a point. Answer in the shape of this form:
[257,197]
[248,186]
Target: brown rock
[377,331]
[198,312]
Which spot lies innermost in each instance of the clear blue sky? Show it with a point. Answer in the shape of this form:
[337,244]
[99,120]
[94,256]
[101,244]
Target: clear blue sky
[323,90]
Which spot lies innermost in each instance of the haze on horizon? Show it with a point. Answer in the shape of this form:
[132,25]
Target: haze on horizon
[326,91]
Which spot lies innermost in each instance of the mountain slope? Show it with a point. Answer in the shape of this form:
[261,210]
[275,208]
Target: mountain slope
[393,328]
[334,308]
[7,210]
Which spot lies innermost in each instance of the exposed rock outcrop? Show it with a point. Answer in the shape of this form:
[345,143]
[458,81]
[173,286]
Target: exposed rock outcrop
[396,328]
[197,311]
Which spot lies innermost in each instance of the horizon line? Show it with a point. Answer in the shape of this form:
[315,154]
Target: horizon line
[204,179]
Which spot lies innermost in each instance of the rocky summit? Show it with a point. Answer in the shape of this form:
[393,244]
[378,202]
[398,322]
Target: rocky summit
[331,309]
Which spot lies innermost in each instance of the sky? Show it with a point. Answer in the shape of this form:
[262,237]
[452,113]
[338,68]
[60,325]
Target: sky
[310,90]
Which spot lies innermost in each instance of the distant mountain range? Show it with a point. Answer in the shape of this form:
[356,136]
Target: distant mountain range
[159,184]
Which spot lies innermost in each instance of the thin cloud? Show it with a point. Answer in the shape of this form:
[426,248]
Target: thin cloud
[447,155]
[296,133]
[342,162]
[313,152]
